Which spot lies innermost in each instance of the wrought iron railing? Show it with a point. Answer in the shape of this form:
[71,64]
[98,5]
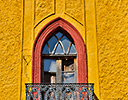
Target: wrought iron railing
[59,91]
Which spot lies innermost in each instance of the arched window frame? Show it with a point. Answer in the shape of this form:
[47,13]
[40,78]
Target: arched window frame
[44,33]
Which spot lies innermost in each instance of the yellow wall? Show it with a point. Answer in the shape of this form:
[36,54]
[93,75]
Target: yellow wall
[103,25]
[112,39]
[10,51]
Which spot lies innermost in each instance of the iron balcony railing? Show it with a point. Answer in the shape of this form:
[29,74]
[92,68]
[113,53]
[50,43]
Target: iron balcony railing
[59,91]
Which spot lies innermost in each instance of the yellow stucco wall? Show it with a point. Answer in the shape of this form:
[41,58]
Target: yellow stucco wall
[10,49]
[103,24]
[112,39]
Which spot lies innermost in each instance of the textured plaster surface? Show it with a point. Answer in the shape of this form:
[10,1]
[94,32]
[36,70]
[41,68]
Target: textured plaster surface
[75,9]
[112,42]
[112,39]
[43,8]
[10,32]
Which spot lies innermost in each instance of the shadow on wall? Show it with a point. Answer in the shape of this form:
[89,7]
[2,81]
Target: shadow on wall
[95,97]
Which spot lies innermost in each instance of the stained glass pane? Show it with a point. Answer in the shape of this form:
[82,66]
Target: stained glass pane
[72,49]
[52,41]
[50,65]
[59,49]
[68,77]
[65,42]
[59,34]
[45,49]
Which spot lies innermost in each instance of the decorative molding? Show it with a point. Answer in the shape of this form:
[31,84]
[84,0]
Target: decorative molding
[44,33]
[43,19]
[43,10]
[73,18]
[75,10]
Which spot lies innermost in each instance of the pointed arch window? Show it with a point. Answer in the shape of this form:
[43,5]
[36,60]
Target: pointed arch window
[59,59]
[51,45]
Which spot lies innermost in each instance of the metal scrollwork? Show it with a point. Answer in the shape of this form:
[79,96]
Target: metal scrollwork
[59,91]
[34,94]
[68,94]
[51,94]
[84,94]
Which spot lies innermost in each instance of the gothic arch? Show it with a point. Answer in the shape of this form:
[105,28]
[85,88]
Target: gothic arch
[44,33]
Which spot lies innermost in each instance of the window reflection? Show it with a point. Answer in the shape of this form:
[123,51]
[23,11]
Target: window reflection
[59,50]
[52,42]
[45,50]
[59,34]
[50,65]
[68,77]
[66,42]
[72,49]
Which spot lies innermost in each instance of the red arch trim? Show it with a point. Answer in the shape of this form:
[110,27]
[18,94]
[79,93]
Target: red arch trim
[44,33]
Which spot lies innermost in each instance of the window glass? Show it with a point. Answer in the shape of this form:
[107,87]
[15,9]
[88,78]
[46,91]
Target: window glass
[45,49]
[72,49]
[61,46]
[65,42]
[68,77]
[59,49]
[50,65]
[52,42]
[59,35]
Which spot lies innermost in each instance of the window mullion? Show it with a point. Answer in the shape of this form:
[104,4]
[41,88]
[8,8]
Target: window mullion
[59,71]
